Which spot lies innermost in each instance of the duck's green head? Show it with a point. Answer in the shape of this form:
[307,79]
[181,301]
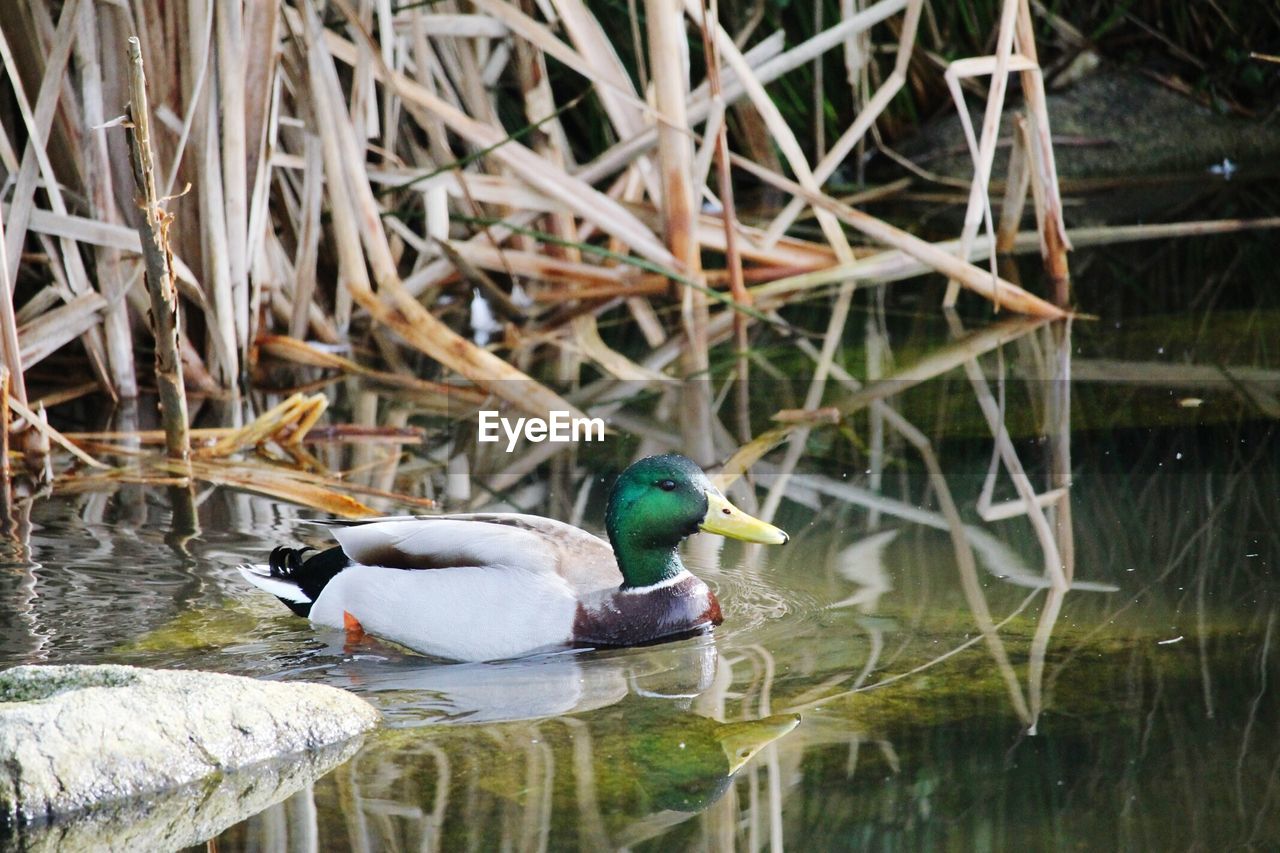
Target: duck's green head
[659,501]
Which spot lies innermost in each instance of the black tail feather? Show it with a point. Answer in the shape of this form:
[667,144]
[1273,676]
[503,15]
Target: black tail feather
[311,574]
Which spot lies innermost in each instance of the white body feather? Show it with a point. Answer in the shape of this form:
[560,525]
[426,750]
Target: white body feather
[468,613]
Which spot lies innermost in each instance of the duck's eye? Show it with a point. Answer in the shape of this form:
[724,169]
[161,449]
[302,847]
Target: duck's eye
[667,485]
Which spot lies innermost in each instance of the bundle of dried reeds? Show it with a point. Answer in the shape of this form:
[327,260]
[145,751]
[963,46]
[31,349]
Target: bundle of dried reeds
[336,170]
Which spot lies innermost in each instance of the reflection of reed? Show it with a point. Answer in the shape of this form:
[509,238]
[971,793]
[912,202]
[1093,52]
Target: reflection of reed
[1057,420]
[755,701]
[1030,502]
[1053,529]
[591,831]
[22,625]
[1056,539]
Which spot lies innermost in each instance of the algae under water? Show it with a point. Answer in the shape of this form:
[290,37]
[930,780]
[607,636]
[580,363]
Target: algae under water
[944,700]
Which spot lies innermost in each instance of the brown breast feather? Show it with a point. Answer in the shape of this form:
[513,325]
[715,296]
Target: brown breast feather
[621,618]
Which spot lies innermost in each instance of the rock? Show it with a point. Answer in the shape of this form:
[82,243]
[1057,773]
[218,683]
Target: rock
[179,817]
[75,736]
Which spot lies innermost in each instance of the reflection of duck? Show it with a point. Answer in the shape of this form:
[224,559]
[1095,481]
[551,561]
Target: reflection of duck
[592,780]
[679,761]
[529,688]
[863,564]
[487,586]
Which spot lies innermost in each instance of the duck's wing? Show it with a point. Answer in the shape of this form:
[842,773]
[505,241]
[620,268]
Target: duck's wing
[494,540]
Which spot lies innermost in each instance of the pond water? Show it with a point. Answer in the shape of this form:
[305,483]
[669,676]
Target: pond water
[949,694]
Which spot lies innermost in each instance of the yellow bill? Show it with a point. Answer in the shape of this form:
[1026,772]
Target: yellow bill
[727,520]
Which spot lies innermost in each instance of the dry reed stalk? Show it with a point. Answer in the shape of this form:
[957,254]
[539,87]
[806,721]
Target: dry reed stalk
[655,285]
[587,340]
[706,152]
[1053,233]
[1004,293]
[66,395]
[55,328]
[216,248]
[96,159]
[983,151]
[112,236]
[304,279]
[1105,235]
[9,346]
[232,72]
[364,457]
[719,136]
[42,301]
[894,265]
[6,467]
[153,233]
[262,95]
[299,352]
[1016,186]
[677,198]
[754,245]
[278,483]
[541,267]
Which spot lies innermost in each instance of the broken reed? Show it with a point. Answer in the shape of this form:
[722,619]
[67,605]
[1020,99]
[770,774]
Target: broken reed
[153,230]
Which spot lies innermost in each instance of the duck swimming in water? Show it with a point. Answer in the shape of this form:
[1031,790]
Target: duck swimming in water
[487,586]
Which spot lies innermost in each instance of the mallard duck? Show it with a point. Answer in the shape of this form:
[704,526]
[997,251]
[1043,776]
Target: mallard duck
[487,586]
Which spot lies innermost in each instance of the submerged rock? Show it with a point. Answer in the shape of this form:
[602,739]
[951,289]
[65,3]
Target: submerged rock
[1114,123]
[75,736]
